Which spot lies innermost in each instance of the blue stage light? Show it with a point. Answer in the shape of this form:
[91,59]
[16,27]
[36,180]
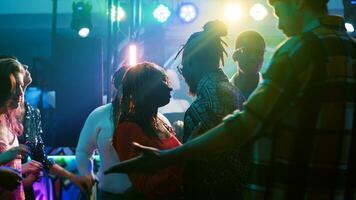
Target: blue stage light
[187,12]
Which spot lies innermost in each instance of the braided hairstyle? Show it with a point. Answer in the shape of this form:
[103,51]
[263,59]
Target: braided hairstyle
[137,86]
[203,53]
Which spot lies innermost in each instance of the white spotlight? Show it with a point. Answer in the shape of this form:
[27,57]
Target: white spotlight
[258,12]
[84,32]
[233,13]
[132,55]
[349,27]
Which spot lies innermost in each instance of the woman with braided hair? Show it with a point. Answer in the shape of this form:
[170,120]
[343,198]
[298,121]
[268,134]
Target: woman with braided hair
[203,56]
[144,89]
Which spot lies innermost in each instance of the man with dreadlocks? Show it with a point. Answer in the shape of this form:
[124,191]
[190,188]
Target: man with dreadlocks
[216,97]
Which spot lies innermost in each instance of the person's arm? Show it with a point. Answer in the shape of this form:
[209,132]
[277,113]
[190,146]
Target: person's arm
[83,184]
[85,149]
[233,132]
[13,153]
[86,146]
[160,182]
[39,154]
[262,109]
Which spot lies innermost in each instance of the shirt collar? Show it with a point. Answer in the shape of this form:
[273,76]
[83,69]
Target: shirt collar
[211,78]
[335,21]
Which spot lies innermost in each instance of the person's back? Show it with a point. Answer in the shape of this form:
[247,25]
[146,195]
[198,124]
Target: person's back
[216,97]
[310,149]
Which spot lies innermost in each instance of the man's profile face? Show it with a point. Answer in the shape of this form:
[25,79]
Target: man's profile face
[289,17]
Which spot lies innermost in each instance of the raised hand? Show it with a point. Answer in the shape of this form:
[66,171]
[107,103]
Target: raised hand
[10,178]
[32,171]
[148,161]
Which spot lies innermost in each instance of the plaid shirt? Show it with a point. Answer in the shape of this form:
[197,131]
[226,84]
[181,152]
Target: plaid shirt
[216,97]
[301,119]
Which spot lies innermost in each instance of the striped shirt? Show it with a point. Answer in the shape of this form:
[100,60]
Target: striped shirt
[301,118]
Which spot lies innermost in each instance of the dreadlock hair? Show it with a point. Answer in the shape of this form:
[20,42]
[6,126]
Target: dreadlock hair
[316,5]
[137,85]
[117,79]
[203,53]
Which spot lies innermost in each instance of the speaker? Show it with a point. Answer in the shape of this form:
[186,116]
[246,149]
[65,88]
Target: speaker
[78,83]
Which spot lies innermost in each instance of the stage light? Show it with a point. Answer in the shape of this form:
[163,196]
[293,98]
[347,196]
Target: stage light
[350,15]
[132,54]
[117,14]
[187,12]
[161,13]
[349,27]
[258,12]
[81,18]
[84,32]
[233,13]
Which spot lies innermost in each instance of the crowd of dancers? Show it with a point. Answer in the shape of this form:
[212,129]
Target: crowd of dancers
[286,134]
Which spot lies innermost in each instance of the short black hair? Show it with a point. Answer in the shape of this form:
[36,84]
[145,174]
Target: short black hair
[253,36]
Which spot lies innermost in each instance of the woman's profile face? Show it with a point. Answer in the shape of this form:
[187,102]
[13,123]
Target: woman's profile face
[161,93]
[27,79]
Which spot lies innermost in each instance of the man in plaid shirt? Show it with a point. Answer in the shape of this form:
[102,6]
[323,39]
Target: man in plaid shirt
[302,117]
[300,120]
